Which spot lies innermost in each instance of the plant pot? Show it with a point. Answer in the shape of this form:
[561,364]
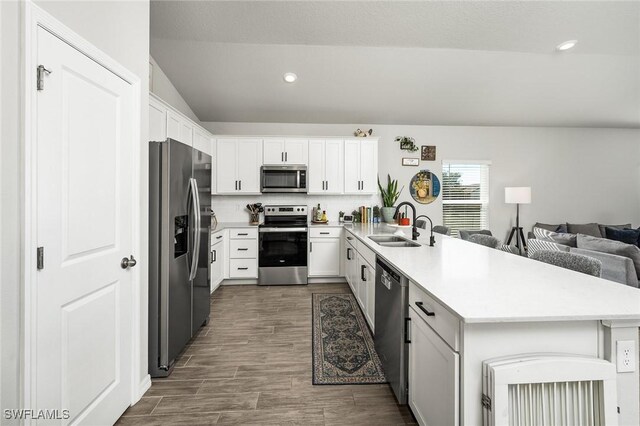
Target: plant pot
[387,213]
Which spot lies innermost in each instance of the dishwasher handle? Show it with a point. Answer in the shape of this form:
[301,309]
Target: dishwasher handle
[407,331]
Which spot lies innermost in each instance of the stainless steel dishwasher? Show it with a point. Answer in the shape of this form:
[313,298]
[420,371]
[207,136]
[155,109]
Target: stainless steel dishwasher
[391,316]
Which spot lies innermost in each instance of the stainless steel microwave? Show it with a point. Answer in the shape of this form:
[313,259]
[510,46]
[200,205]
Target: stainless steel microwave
[283,178]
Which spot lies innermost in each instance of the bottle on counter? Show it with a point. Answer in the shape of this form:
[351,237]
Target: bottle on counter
[318,217]
[324,216]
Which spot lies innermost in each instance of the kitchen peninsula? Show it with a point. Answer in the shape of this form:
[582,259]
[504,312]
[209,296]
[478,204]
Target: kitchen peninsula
[485,303]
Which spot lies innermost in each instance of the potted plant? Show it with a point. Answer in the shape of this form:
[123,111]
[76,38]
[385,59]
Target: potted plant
[390,195]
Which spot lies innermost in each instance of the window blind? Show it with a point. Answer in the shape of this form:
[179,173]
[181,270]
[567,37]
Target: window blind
[465,196]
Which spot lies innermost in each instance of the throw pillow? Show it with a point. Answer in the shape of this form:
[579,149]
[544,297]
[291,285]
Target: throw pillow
[562,227]
[603,228]
[534,244]
[612,247]
[627,236]
[556,237]
[585,228]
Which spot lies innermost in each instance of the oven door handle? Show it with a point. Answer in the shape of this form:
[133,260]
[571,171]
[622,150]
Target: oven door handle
[261,230]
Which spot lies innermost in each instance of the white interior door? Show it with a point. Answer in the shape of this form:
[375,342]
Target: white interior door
[85,140]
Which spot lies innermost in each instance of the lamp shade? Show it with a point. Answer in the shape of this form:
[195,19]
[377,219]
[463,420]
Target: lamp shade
[517,195]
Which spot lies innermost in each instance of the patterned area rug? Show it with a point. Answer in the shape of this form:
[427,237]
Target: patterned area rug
[343,349]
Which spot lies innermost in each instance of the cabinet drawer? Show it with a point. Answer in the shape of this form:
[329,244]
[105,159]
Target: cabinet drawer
[325,232]
[443,322]
[217,237]
[243,268]
[368,254]
[242,249]
[243,233]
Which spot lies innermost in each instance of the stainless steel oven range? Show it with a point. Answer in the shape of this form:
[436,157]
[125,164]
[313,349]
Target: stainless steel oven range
[282,246]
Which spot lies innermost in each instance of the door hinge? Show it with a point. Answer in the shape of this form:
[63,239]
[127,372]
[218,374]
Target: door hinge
[486,402]
[41,71]
[40,258]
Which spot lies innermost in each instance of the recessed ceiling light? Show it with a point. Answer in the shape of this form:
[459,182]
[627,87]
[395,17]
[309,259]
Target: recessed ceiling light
[566,45]
[290,77]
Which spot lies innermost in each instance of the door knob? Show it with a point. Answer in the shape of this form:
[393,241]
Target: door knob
[128,263]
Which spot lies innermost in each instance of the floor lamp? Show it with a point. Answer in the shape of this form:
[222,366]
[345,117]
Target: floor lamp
[517,195]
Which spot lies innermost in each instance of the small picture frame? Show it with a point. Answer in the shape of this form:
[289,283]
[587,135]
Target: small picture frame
[428,153]
[410,161]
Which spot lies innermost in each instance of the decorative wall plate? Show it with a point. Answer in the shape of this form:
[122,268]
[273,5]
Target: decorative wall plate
[424,187]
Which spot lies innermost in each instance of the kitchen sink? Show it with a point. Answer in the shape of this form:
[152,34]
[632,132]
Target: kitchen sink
[393,241]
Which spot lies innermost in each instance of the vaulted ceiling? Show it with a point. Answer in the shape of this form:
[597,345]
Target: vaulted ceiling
[395,62]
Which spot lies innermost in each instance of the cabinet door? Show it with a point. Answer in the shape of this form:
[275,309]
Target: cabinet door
[316,169]
[217,265]
[352,166]
[273,151]
[368,166]
[226,161]
[157,121]
[364,284]
[434,370]
[249,160]
[334,166]
[371,296]
[324,257]
[201,141]
[296,151]
[186,132]
[214,157]
[174,126]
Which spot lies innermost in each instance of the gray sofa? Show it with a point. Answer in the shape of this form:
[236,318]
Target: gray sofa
[615,267]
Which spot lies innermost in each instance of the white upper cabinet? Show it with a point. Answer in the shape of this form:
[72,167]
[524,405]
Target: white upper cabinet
[361,166]
[174,126]
[326,166]
[285,151]
[238,162]
[157,121]
[202,141]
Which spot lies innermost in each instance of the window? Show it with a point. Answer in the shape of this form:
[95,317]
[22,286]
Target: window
[465,195]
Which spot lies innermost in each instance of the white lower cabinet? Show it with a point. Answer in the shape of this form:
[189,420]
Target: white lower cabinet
[243,249]
[360,273]
[217,259]
[324,257]
[434,376]
[351,265]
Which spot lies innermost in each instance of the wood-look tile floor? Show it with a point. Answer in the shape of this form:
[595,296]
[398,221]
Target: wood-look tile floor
[252,365]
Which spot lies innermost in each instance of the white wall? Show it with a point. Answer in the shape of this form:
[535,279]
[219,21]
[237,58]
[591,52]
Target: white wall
[120,29]
[164,88]
[576,174]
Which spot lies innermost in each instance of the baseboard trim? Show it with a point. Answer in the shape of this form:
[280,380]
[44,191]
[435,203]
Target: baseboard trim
[240,282]
[326,280]
[143,386]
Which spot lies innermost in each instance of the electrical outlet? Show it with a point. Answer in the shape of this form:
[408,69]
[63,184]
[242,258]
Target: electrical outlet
[626,356]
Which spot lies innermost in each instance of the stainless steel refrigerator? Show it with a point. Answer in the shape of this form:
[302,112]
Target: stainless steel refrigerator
[179,242]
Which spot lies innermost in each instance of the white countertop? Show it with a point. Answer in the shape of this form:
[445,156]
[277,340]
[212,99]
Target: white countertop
[225,225]
[479,284]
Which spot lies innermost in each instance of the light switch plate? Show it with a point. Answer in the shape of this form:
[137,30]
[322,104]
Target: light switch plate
[626,356]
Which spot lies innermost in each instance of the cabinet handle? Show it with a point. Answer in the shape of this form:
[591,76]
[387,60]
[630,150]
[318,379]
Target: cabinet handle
[286,157]
[310,247]
[327,184]
[242,269]
[407,334]
[242,233]
[236,185]
[324,233]
[240,185]
[348,253]
[362,268]
[214,256]
[242,249]
[282,157]
[218,237]
[349,238]
[423,309]
[323,185]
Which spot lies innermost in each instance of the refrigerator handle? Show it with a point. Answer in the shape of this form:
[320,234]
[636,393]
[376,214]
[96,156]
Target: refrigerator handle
[196,243]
